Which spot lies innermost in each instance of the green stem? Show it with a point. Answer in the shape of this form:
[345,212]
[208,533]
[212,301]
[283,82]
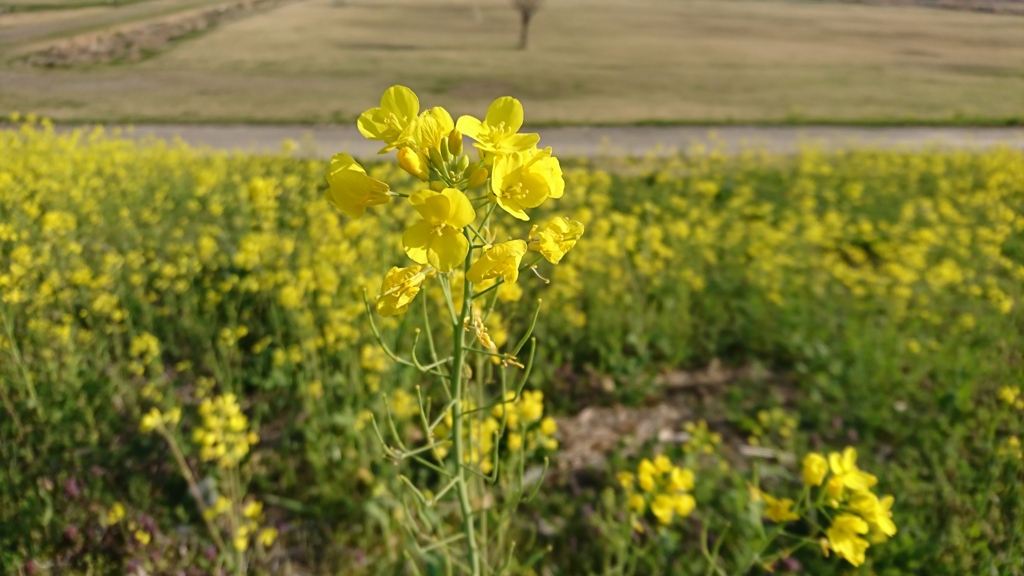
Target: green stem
[457,386]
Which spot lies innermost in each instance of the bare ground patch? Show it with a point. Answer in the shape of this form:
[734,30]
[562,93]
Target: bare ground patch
[133,43]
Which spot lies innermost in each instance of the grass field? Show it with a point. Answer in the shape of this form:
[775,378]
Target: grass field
[591,61]
[866,299]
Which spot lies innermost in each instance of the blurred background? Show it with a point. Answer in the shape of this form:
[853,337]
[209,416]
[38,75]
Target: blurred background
[585,62]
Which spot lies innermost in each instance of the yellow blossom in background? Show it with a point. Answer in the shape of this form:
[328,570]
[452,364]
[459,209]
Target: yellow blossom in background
[779,510]
[501,260]
[1011,395]
[115,514]
[815,467]
[142,537]
[267,537]
[400,286]
[664,490]
[556,238]
[523,180]
[351,190]
[224,435]
[497,133]
[154,418]
[437,239]
[394,121]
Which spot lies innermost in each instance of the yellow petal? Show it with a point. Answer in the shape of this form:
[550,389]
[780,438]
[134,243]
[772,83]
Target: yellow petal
[416,240]
[470,126]
[461,211]
[400,101]
[505,110]
[448,250]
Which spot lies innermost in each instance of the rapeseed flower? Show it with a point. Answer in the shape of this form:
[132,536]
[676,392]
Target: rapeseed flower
[815,468]
[394,121]
[522,180]
[438,239]
[556,238]
[400,286]
[351,190]
[844,538]
[778,510]
[497,134]
[500,260]
[845,473]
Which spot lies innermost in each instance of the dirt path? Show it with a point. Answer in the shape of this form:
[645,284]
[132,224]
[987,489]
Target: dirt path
[595,141]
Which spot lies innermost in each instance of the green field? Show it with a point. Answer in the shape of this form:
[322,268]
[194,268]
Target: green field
[591,61]
[866,299]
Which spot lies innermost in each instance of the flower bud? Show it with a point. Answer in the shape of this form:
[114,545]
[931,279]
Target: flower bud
[435,158]
[437,186]
[412,162]
[444,149]
[455,143]
[478,177]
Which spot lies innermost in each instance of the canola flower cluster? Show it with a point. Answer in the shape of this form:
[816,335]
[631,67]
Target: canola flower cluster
[224,436]
[515,174]
[661,487]
[859,518]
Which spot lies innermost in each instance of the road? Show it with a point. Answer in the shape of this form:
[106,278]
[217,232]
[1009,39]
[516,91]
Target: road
[322,141]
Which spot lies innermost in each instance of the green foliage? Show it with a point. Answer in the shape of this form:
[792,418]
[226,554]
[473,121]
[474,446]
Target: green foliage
[880,290]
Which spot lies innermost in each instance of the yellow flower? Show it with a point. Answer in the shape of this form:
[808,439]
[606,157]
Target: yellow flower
[253,509]
[400,286]
[1009,394]
[115,514]
[432,126]
[645,475]
[142,537]
[150,421]
[522,180]
[394,122]
[497,133]
[500,260]
[414,162]
[548,426]
[779,510]
[845,467]
[815,468]
[637,503]
[663,507]
[267,536]
[515,441]
[438,240]
[877,512]
[662,464]
[683,504]
[626,480]
[556,238]
[844,539]
[680,480]
[352,191]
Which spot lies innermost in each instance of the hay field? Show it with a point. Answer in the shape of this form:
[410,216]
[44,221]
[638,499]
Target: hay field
[591,61]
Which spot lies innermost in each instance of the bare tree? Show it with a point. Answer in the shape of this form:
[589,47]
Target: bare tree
[526,8]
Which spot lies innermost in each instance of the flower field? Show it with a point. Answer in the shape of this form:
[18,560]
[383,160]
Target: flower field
[191,383]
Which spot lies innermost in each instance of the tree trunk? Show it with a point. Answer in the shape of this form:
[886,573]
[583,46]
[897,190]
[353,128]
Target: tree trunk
[524,29]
